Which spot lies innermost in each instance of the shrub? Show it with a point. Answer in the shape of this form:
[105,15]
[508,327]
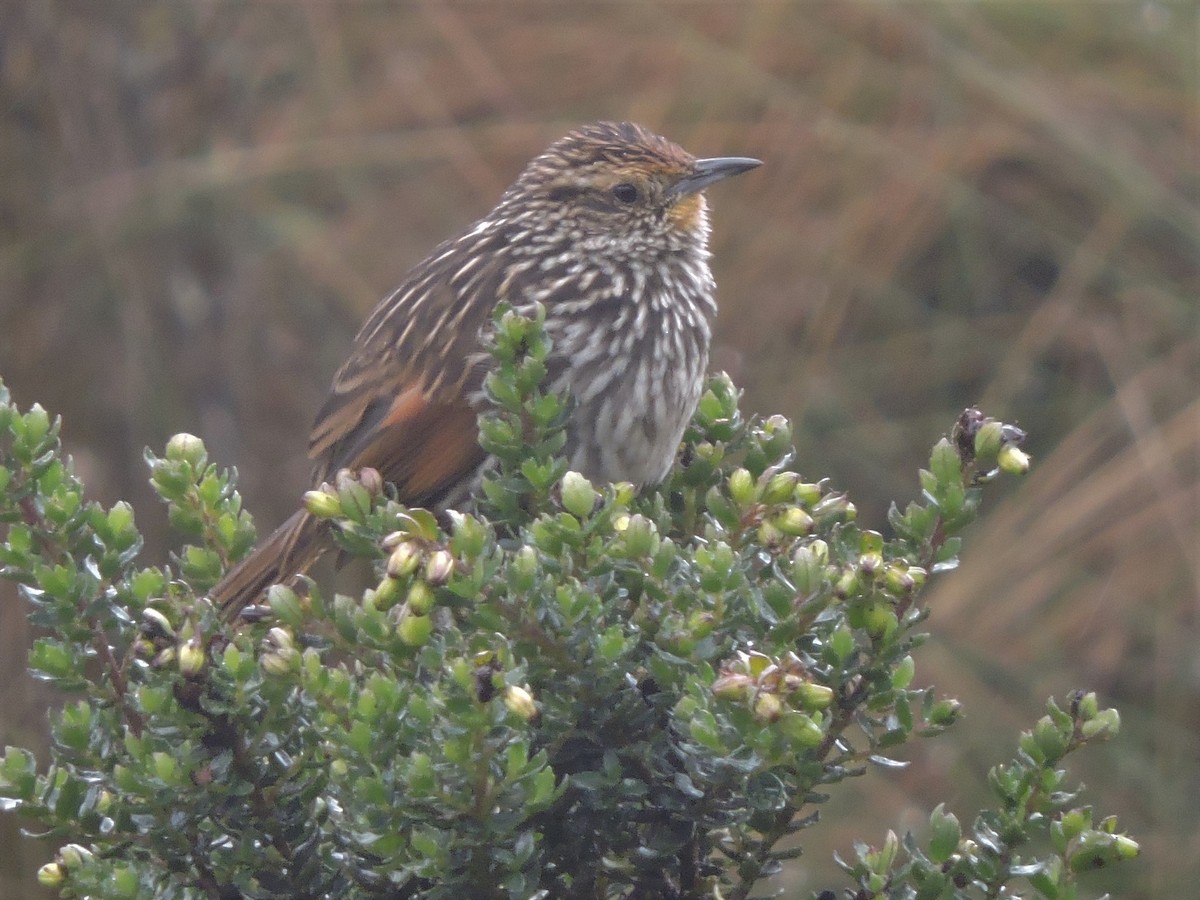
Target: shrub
[574,690]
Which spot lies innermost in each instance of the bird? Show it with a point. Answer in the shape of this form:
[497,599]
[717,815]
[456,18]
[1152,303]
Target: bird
[608,230]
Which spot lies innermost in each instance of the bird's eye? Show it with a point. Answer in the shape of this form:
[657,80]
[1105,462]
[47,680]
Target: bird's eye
[625,192]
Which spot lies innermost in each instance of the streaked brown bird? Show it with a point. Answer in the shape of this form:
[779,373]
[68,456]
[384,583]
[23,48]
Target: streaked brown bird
[609,230]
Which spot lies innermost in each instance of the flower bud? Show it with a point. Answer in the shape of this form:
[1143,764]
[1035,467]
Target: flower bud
[279,662]
[415,630]
[790,682]
[807,493]
[769,671]
[520,702]
[322,505]
[779,487]
[741,487]
[944,712]
[420,598]
[184,447]
[1126,847]
[808,566]
[371,480]
[74,855]
[732,685]
[777,436]
[1094,849]
[1087,705]
[767,707]
[793,521]
[792,664]
[768,534]
[1013,460]
[280,638]
[404,559]
[1104,725]
[881,621]
[814,697]
[897,579]
[757,664]
[439,567]
[710,452]
[155,624]
[578,495]
[387,592]
[801,729]
[870,563]
[191,657]
[52,875]
[835,508]
[847,585]
[164,658]
[988,440]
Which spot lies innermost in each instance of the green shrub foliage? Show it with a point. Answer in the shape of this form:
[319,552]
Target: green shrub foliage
[574,690]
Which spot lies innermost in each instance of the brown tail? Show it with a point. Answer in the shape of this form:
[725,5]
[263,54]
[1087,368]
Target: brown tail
[289,551]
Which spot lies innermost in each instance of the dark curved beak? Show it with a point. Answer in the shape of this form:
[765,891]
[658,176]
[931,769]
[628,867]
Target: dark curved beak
[709,171]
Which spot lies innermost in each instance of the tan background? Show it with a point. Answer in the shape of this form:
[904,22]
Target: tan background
[962,202]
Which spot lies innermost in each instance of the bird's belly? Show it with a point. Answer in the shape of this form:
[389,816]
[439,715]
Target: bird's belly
[630,429]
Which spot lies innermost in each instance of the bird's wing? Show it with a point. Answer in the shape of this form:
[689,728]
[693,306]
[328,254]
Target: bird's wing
[400,403]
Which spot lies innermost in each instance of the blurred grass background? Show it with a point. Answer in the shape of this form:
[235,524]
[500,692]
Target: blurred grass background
[991,203]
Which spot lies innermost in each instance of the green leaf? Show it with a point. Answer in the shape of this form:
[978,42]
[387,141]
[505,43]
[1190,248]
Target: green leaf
[944,834]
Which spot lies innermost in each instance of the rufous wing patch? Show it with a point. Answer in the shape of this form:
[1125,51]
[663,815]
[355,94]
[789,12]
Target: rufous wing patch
[422,446]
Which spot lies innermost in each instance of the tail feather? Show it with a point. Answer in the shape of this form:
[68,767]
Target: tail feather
[290,550]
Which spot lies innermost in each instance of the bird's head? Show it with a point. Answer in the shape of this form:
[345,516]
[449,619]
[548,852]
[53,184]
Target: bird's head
[619,184]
